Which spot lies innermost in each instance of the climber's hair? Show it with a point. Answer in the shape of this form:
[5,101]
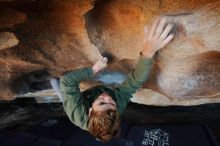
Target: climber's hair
[104,125]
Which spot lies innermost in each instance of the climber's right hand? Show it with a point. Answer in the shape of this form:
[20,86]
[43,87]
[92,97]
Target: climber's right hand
[100,64]
[157,37]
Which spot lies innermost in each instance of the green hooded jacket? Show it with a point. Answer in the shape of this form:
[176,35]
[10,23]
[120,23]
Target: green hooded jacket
[76,104]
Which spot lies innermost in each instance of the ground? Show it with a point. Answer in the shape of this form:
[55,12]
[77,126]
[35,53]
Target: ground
[23,113]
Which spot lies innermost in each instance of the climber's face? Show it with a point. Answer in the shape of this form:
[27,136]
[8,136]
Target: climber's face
[103,103]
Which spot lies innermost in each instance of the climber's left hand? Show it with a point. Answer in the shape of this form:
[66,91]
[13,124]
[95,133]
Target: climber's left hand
[100,64]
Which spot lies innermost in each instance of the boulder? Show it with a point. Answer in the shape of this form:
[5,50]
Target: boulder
[58,36]
[188,68]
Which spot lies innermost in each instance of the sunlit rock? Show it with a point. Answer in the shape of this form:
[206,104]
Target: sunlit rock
[7,40]
[58,36]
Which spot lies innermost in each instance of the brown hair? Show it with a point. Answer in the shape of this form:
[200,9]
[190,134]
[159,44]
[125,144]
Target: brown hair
[104,125]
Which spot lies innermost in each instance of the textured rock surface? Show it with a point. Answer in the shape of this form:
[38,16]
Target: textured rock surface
[57,36]
[9,18]
[117,26]
[196,76]
[53,38]
[187,68]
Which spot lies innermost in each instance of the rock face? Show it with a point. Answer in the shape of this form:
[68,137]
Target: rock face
[10,18]
[196,76]
[53,38]
[57,36]
[187,68]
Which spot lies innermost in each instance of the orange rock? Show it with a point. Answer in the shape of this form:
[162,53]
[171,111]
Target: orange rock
[117,28]
[194,77]
[59,36]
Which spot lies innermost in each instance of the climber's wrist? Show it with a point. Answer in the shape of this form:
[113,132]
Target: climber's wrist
[94,69]
[146,54]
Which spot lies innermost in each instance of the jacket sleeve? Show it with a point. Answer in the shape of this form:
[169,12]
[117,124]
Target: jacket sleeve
[134,80]
[74,104]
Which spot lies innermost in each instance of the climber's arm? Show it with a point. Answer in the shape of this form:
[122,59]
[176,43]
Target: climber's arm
[154,39]
[73,103]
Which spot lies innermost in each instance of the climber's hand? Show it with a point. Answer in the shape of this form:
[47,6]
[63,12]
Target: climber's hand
[100,64]
[157,37]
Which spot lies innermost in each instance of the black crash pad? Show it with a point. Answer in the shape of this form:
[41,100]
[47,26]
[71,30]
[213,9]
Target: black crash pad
[171,135]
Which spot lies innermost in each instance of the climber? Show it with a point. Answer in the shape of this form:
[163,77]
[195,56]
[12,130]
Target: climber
[98,109]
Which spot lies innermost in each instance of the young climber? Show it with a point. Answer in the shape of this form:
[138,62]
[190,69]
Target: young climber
[98,109]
